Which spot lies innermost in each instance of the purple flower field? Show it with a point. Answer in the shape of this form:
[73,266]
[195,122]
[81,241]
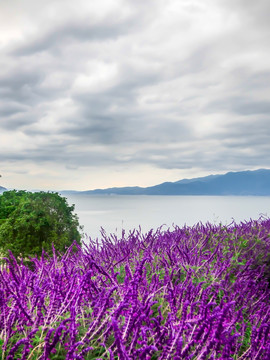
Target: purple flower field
[197,293]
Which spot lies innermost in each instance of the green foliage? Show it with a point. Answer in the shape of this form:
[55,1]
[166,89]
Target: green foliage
[30,222]
[121,275]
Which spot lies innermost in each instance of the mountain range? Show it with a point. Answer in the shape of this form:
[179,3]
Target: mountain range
[248,182]
[256,182]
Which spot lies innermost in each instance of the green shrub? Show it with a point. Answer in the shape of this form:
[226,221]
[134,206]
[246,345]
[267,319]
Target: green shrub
[30,222]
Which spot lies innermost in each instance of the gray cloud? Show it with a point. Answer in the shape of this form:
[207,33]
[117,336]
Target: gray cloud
[64,35]
[11,108]
[163,85]
[256,13]
[239,105]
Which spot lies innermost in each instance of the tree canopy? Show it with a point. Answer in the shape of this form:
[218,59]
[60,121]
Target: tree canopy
[30,222]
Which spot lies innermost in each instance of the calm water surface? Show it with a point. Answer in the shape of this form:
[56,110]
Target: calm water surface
[114,212]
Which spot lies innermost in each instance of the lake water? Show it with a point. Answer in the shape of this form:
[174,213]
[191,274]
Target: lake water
[114,212]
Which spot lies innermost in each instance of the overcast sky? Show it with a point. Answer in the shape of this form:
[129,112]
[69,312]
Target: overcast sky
[106,93]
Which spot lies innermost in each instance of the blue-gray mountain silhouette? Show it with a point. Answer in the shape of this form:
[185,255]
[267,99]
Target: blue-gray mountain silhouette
[255,182]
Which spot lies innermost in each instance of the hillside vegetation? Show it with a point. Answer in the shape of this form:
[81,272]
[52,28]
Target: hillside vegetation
[196,293]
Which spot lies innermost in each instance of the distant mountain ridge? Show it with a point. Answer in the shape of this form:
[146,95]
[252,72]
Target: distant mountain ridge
[2,189]
[256,182]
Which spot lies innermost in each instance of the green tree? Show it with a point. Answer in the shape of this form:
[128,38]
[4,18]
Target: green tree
[30,222]
[9,201]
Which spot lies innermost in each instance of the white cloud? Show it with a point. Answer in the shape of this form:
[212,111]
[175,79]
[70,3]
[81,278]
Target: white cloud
[99,77]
